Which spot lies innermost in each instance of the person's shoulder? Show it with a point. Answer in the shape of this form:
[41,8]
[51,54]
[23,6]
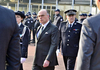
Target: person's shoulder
[78,23]
[94,20]
[52,25]
[64,22]
[60,16]
[6,9]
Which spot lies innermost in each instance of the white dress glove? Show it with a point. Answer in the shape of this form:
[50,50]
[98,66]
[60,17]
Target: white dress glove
[23,60]
[57,51]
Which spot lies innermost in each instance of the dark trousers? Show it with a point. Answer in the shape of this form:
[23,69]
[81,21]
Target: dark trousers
[36,67]
[69,62]
[33,36]
[21,67]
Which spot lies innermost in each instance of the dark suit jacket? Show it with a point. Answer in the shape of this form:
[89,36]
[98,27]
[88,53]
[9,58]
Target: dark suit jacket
[24,41]
[89,46]
[70,38]
[9,40]
[46,46]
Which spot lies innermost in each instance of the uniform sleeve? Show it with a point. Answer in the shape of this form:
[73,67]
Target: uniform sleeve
[13,51]
[61,19]
[86,45]
[59,36]
[25,44]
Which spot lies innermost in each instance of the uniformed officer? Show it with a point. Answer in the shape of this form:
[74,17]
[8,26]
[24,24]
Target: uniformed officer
[70,35]
[24,36]
[37,24]
[34,20]
[29,23]
[82,17]
[58,18]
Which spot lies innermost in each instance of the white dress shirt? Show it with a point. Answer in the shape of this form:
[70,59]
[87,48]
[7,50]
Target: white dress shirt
[19,24]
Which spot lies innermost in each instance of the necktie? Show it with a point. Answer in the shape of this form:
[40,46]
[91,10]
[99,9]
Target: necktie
[70,25]
[41,29]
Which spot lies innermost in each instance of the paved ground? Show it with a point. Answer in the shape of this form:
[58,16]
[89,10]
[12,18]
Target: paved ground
[28,64]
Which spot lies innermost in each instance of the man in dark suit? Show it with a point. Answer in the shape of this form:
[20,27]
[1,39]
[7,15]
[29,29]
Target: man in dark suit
[46,45]
[24,37]
[58,18]
[89,47]
[9,40]
[69,35]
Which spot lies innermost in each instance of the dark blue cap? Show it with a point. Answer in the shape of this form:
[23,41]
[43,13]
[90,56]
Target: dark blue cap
[26,15]
[57,10]
[81,14]
[70,12]
[34,13]
[20,13]
[23,12]
[85,14]
[29,13]
[90,14]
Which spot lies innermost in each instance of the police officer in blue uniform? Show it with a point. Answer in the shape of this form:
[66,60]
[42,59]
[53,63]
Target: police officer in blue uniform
[29,23]
[24,37]
[58,18]
[34,21]
[70,35]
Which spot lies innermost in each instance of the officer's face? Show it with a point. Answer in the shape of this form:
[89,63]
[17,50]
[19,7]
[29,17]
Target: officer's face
[18,18]
[71,18]
[43,17]
[56,12]
[34,15]
[81,17]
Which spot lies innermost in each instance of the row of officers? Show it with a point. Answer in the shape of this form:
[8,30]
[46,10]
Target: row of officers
[69,35]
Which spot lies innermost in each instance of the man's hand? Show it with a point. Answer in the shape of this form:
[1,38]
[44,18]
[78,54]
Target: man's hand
[46,63]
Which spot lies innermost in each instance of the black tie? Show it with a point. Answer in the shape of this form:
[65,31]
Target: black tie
[70,25]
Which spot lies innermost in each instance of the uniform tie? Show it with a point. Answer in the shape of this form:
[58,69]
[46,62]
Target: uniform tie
[70,25]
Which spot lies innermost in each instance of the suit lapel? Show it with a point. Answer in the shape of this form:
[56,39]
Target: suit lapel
[46,29]
[21,28]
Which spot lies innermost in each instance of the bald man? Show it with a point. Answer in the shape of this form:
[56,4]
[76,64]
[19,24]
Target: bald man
[46,45]
[89,47]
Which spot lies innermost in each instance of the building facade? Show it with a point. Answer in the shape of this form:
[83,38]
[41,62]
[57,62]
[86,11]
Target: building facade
[82,6]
